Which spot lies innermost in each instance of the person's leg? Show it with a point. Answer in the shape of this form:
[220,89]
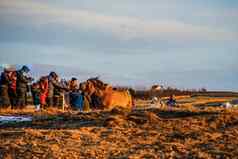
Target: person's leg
[81,103]
[86,105]
[50,101]
[18,98]
[99,102]
[21,95]
[71,99]
[56,101]
[37,107]
[5,97]
[24,99]
[37,102]
[67,100]
[13,98]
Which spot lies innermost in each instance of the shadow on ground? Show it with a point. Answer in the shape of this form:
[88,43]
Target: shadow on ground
[105,118]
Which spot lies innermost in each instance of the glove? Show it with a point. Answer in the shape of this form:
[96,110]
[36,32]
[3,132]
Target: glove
[30,79]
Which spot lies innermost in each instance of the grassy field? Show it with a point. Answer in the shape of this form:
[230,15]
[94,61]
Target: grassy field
[194,129]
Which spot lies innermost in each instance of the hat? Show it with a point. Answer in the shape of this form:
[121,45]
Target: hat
[25,68]
[9,68]
[74,79]
[53,74]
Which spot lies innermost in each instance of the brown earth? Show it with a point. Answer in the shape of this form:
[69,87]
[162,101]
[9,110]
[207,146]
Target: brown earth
[188,131]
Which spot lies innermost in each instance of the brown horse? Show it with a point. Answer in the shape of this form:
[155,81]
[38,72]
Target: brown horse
[109,98]
[112,98]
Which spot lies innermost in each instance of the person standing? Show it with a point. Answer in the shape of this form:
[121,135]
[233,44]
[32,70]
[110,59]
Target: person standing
[43,85]
[12,90]
[75,96]
[5,81]
[36,95]
[22,85]
[171,102]
[53,85]
[73,84]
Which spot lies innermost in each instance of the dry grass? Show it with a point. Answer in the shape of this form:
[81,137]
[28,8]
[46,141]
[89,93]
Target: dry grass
[184,132]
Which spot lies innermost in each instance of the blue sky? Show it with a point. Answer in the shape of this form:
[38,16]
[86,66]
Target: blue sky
[133,41]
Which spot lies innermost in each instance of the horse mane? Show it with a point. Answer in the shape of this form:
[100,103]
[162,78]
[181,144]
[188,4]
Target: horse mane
[96,82]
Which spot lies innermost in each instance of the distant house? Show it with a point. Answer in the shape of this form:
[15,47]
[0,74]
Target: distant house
[156,88]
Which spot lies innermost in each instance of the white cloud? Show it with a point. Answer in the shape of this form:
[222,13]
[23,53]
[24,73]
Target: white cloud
[124,27]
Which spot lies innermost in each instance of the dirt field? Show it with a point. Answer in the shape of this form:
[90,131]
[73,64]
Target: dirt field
[197,128]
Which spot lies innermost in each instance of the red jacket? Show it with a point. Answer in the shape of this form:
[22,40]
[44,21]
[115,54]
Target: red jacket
[44,91]
[13,84]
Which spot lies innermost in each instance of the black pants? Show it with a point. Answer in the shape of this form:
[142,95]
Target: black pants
[5,101]
[21,97]
[50,101]
[13,97]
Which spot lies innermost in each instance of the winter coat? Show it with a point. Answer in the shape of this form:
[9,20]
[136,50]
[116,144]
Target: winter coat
[5,80]
[13,83]
[43,91]
[53,84]
[22,80]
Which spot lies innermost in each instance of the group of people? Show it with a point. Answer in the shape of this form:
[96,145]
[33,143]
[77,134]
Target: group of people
[17,88]
[45,89]
[16,84]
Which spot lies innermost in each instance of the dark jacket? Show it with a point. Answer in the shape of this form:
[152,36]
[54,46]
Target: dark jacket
[53,85]
[4,80]
[22,80]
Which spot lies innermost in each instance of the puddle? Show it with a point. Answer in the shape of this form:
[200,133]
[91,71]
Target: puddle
[212,104]
[13,119]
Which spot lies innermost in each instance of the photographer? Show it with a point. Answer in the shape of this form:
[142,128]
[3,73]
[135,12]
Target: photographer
[55,88]
[5,81]
[22,86]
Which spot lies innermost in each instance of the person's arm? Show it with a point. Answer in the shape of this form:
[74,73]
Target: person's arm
[58,85]
[23,78]
[5,78]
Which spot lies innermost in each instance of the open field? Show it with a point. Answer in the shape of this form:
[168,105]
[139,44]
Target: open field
[197,128]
